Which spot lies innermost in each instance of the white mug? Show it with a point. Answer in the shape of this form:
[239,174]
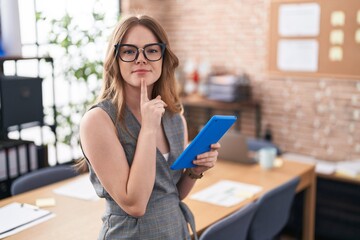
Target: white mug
[267,157]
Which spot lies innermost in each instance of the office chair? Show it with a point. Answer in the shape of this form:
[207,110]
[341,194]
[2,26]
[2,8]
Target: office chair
[234,226]
[41,178]
[273,211]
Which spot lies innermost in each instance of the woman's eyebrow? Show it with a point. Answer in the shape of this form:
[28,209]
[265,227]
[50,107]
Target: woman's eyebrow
[138,46]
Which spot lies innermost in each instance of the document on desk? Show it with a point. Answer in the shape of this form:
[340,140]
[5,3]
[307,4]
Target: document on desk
[226,193]
[80,188]
[16,217]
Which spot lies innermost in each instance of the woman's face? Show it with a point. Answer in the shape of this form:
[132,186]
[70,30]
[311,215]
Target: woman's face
[133,72]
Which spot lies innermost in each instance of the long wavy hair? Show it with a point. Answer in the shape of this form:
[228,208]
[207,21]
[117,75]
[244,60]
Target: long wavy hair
[113,82]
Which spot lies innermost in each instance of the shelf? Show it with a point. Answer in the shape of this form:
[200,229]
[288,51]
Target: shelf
[195,101]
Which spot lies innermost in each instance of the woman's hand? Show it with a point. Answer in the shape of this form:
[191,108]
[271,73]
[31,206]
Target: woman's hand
[206,160]
[151,110]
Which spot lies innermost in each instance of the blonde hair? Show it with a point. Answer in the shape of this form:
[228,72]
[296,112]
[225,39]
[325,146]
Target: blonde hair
[113,82]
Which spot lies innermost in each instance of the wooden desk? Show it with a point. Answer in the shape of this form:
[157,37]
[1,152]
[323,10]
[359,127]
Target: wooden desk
[207,214]
[197,102]
[79,219]
[75,219]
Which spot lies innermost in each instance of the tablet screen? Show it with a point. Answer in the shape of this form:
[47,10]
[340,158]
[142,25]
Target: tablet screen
[211,133]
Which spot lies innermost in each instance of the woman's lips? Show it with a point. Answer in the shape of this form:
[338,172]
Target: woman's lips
[140,71]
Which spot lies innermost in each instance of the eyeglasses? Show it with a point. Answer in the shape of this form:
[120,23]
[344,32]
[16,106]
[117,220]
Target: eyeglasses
[129,53]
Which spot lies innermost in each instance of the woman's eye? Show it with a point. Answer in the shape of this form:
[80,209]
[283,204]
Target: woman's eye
[152,50]
[129,52]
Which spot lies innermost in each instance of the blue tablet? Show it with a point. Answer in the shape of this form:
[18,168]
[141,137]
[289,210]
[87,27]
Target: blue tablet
[211,133]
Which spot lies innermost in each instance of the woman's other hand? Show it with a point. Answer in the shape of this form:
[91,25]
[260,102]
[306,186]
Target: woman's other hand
[206,160]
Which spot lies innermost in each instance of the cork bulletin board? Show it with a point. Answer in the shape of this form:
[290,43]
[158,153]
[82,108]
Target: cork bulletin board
[315,38]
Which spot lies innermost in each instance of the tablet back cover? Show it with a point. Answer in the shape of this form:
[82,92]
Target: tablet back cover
[211,133]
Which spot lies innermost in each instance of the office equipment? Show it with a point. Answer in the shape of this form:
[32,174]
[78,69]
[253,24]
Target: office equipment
[15,217]
[21,101]
[317,38]
[229,88]
[337,205]
[234,147]
[51,115]
[215,128]
[42,177]
[17,157]
[233,227]
[273,211]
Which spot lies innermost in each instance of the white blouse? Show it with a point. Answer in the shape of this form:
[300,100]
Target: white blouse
[166,156]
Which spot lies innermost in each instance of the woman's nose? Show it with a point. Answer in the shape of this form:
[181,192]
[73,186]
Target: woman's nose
[141,56]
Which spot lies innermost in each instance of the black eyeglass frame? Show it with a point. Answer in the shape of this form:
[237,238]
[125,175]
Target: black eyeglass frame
[162,46]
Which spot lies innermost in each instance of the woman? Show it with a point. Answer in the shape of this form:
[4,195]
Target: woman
[135,132]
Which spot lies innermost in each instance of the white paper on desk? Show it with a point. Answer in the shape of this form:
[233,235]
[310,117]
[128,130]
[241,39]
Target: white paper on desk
[298,158]
[16,217]
[80,188]
[226,193]
[325,167]
[349,168]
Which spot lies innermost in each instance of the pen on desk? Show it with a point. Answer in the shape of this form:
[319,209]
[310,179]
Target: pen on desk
[29,206]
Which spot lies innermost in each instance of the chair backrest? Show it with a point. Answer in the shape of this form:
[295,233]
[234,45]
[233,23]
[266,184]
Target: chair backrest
[273,211]
[41,178]
[234,226]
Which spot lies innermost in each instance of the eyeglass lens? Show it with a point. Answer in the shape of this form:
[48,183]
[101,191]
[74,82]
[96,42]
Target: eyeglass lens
[151,52]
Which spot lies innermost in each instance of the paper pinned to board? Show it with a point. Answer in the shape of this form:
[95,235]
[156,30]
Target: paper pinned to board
[337,18]
[298,55]
[80,188]
[337,37]
[226,193]
[16,217]
[336,54]
[357,36]
[299,20]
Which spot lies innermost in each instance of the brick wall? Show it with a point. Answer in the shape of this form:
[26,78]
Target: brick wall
[312,116]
